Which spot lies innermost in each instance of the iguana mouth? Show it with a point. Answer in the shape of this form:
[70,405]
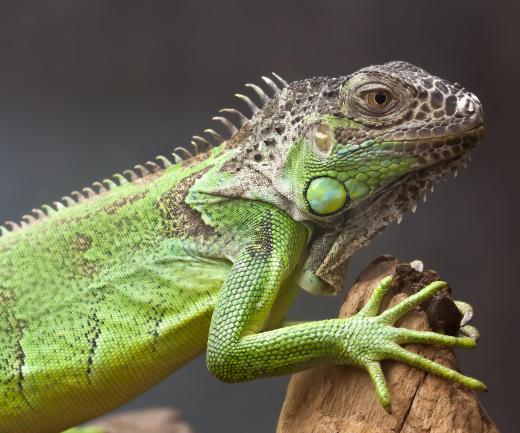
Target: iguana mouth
[476,132]
[433,150]
[447,154]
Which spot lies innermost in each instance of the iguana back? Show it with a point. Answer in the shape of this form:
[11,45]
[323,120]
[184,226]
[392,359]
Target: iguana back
[102,300]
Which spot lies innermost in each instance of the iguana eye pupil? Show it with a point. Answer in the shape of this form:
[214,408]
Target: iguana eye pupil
[380,98]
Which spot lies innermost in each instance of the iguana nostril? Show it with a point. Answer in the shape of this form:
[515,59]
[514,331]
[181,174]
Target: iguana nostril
[469,106]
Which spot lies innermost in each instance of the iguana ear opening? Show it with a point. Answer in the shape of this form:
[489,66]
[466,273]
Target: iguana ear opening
[322,139]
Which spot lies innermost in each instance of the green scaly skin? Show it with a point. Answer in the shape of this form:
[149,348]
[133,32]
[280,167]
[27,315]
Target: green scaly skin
[103,298]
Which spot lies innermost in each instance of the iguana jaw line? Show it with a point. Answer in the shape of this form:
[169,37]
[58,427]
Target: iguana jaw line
[429,175]
[442,138]
[455,144]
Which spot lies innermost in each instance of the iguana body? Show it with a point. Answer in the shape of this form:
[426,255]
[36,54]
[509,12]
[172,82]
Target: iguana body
[103,298]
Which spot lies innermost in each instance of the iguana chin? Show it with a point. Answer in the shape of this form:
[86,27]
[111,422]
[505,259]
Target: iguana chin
[106,293]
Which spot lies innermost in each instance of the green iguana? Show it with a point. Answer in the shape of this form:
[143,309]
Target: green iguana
[107,292]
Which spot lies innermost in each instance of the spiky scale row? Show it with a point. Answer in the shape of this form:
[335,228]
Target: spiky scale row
[280,79]
[241,117]
[227,124]
[272,85]
[101,188]
[259,91]
[431,187]
[14,226]
[129,175]
[252,106]
[165,161]
[212,133]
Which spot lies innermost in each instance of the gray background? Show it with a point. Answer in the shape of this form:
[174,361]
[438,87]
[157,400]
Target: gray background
[88,88]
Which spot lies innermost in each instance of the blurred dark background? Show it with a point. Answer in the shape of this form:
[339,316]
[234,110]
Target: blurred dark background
[88,88]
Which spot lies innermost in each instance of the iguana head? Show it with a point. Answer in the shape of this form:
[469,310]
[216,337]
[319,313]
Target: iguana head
[338,142]
[352,154]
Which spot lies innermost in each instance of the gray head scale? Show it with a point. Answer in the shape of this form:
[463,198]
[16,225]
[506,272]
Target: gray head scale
[386,124]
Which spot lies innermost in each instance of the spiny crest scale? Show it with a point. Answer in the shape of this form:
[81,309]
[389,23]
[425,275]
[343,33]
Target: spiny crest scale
[200,146]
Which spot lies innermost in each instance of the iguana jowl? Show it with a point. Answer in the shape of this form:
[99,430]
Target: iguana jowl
[104,295]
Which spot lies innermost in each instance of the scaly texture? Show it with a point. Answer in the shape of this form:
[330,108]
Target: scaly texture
[105,294]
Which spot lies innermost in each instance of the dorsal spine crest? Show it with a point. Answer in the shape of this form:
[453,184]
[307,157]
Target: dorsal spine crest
[200,146]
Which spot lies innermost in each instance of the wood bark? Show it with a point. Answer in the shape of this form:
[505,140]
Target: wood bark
[337,399]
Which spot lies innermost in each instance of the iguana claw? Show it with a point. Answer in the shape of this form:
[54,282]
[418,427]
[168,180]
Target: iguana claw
[467,314]
[465,309]
[418,265]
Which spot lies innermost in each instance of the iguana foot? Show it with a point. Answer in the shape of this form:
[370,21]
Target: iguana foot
[372,338]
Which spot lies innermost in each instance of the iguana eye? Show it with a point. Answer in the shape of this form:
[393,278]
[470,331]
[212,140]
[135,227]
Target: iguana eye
[378,98]
[375,99]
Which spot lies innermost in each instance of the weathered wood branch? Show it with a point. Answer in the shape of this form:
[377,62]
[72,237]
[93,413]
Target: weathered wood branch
[339,399]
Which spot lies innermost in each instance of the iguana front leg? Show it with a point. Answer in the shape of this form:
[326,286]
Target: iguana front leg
[237,351]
